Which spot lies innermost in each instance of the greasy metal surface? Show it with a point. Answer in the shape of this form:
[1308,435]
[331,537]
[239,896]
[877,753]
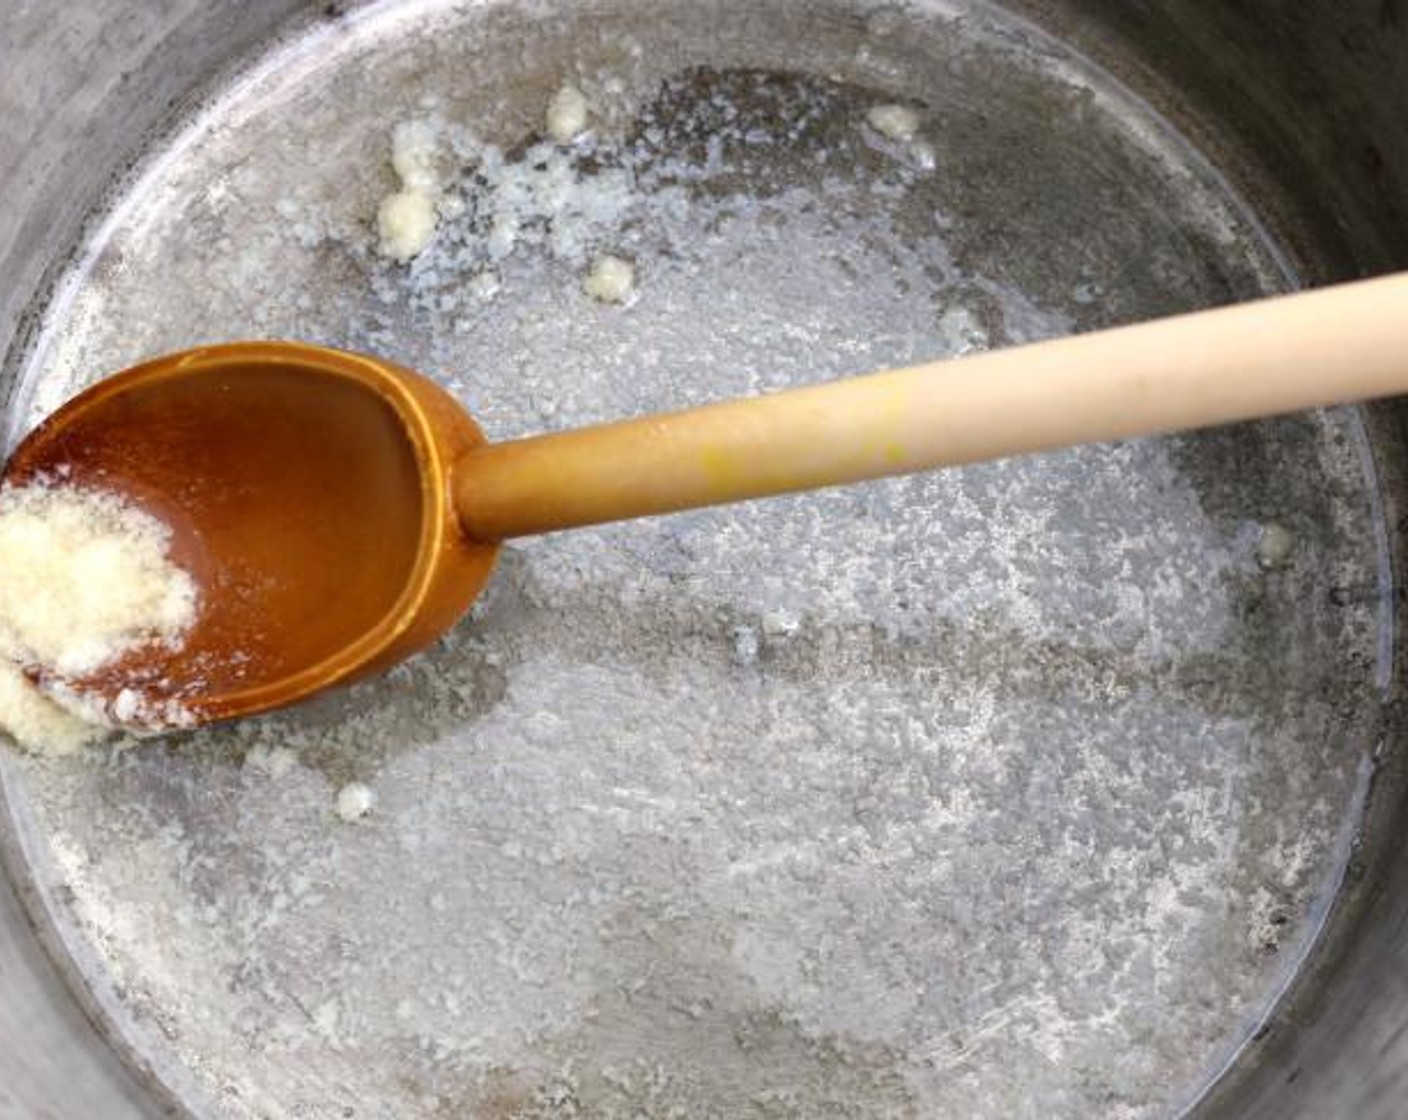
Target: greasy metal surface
[66,75]
[1018,789]
[1301,101]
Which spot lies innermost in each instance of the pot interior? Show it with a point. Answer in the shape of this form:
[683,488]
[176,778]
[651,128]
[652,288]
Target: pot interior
[1024,789]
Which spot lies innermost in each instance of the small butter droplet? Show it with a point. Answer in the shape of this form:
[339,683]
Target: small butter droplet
[898,122]
[567,114]
[610,280]
[355,801]
[1274,548]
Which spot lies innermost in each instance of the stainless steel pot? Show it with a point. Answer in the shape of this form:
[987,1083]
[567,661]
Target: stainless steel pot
[1299,105]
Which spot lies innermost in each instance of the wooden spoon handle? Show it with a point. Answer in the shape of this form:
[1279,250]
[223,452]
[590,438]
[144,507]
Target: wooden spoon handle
[1276,356]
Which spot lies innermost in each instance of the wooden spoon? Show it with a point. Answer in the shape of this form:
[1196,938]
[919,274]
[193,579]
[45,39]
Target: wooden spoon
[339,512]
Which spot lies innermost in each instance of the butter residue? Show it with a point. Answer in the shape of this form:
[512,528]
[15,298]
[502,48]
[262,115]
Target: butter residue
[407,219]
[610,280]
[898,122]
[355,801]
[567,114]
[36,722]
[85,577]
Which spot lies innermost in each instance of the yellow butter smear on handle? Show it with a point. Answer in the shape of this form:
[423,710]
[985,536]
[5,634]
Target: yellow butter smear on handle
[85,577]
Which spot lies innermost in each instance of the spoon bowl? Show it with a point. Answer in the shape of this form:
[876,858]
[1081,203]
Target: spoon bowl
[307,491]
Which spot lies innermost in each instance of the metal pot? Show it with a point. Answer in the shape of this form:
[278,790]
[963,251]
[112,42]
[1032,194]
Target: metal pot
[1298,106]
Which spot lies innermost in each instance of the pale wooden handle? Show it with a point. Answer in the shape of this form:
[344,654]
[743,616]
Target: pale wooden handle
[1261,359]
